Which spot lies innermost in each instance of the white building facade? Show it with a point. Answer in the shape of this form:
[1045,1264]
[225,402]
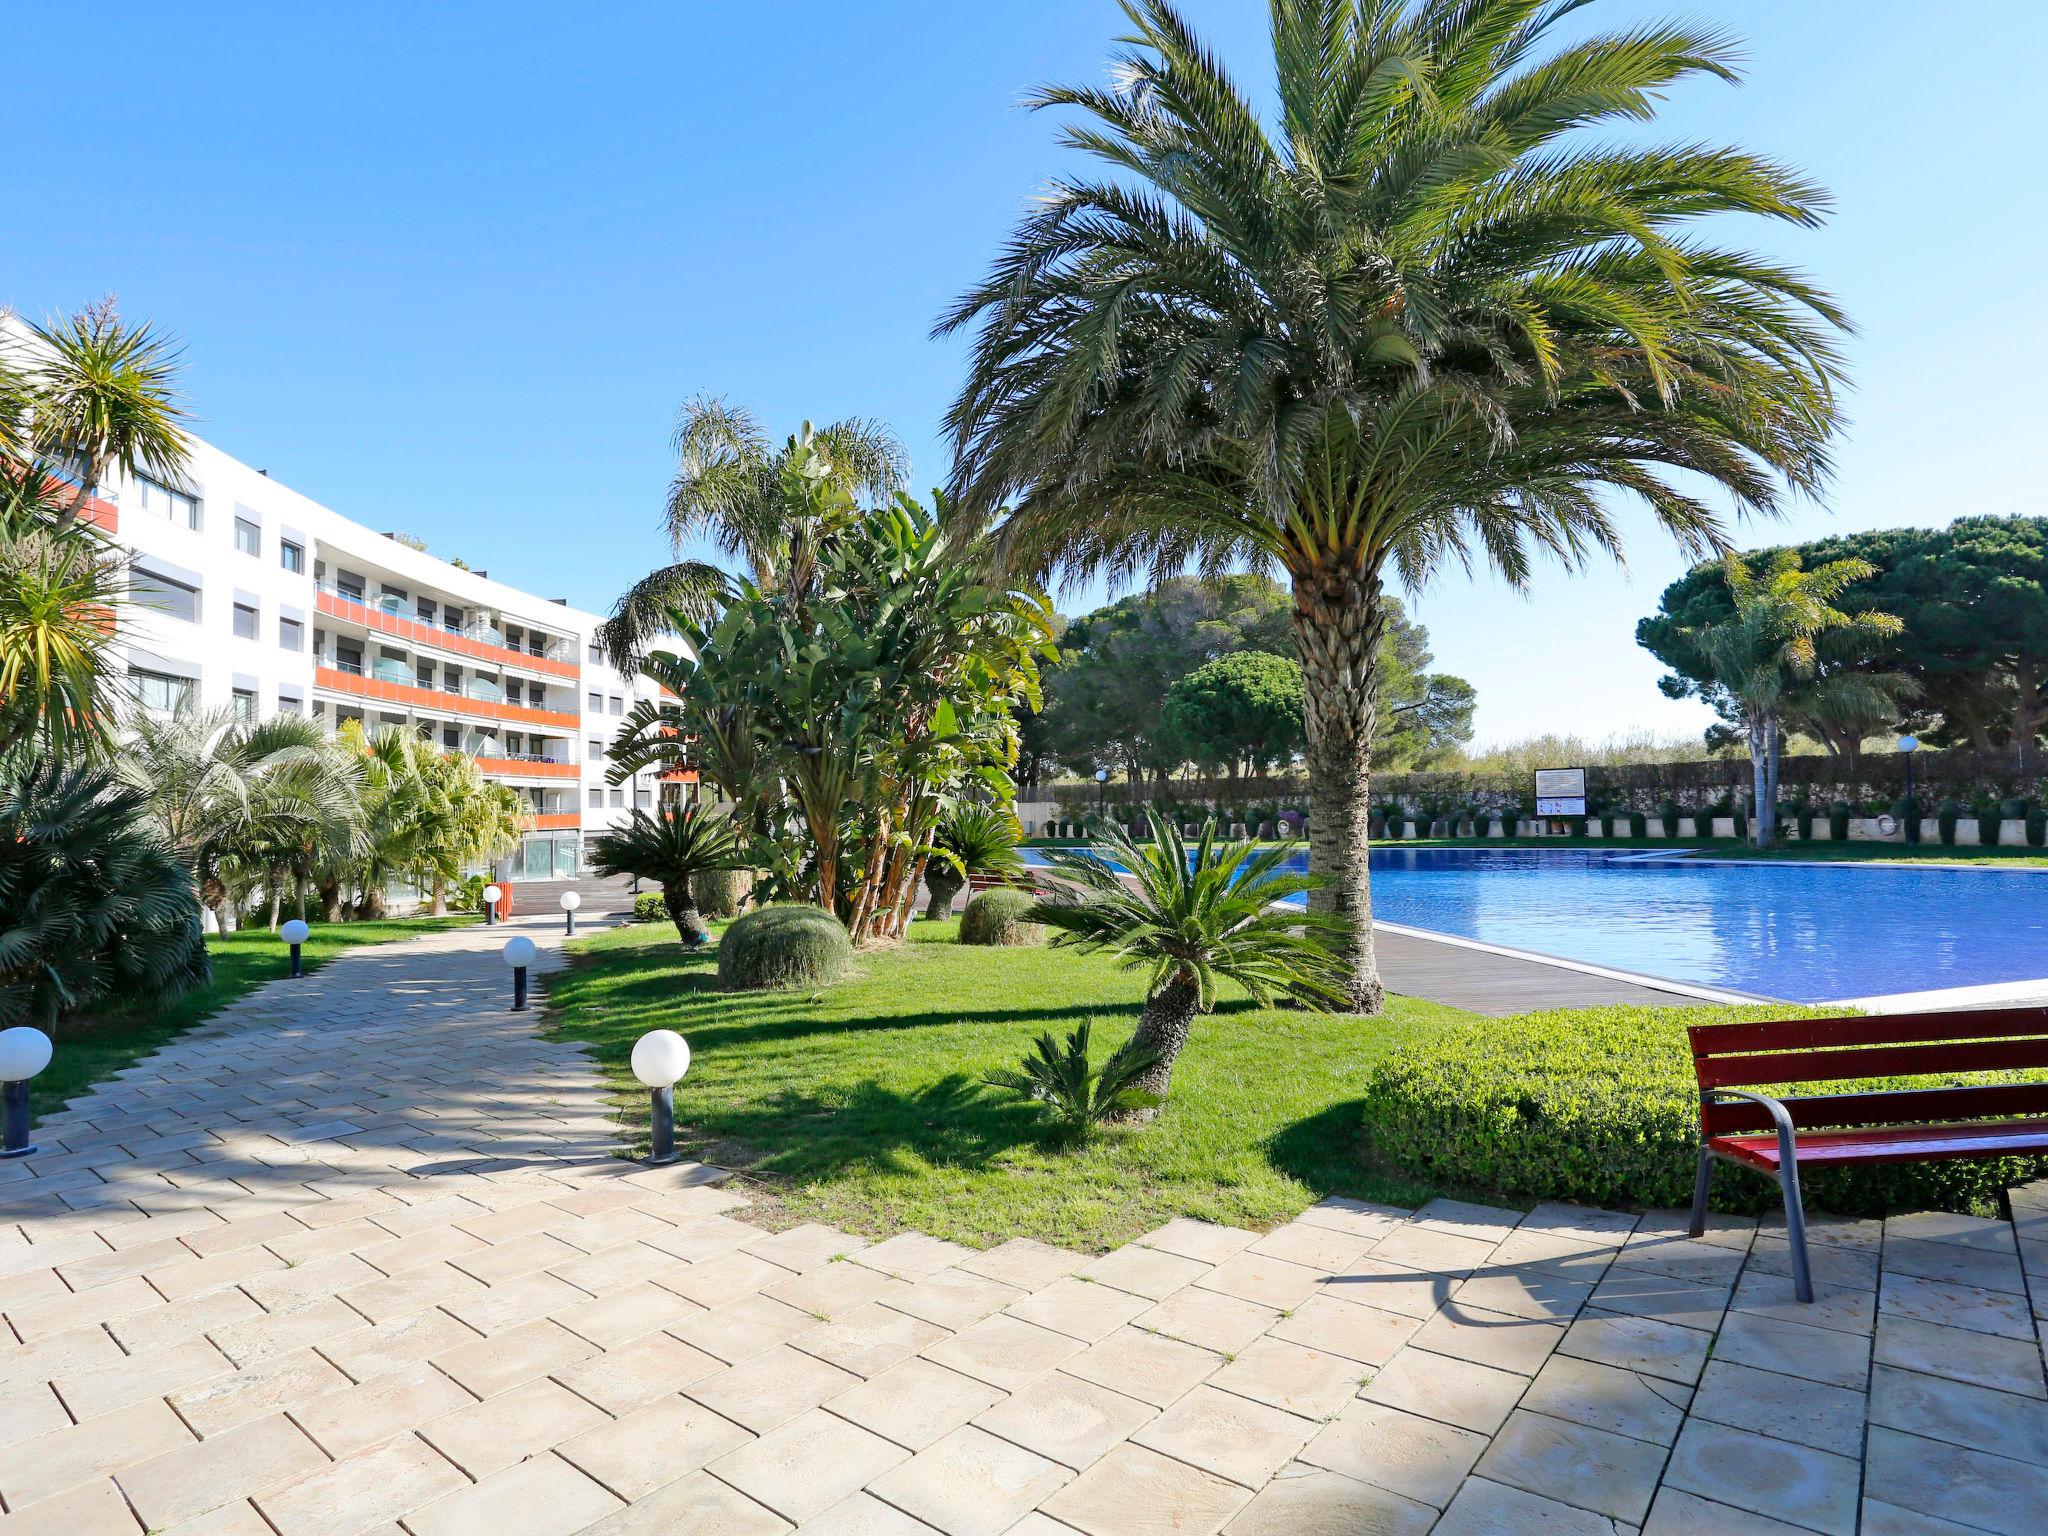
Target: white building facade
[252,597]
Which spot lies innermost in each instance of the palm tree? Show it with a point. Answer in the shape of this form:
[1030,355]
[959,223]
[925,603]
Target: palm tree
[1192,917]
[671,849]
[1419,321]
[971,840]
[757,505]
[1766,657]
[102,393]
[62,588]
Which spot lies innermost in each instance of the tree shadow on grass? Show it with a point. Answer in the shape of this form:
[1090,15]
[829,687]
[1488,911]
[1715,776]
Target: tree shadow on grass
[1331,1153]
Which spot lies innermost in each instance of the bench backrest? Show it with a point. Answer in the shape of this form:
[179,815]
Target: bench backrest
[1882,1045]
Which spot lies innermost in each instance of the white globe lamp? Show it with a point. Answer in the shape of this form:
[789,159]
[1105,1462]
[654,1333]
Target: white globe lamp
[570,902]
[660,1058]
[24,1051]
[518,955]
[492,896]
[295,933]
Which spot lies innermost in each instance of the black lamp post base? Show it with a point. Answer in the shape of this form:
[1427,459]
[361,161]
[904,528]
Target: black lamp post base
[14,1140]
[17,1152]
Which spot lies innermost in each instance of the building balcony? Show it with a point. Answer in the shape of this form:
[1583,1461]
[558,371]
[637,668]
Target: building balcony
[505,766]
[551,821]
[439,702]
[483,643]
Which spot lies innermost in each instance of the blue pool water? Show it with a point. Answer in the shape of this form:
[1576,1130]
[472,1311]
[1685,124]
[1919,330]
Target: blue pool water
[1802,932]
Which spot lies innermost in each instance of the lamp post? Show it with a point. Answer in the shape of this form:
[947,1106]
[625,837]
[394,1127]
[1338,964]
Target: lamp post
[570,902]
[294,933]
[1908,745]
[660,1058]
[1101,793]
[24,1052]
[492,896]
[518,954]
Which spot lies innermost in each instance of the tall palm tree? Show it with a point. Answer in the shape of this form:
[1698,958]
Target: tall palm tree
[101,394]
[1767,655]
[758,505]
[1420,320]
[62,589]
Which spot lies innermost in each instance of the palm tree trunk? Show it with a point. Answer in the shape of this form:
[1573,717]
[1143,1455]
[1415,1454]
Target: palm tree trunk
[1765,810]
[276,884]
[1338,618]
[1163,1027]
[1777,748]
[440,905]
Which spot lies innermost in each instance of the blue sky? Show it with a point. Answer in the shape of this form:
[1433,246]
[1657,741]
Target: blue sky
[450,269]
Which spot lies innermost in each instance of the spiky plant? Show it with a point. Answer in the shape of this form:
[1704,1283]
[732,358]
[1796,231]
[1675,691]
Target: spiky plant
[1080,1094]
[1428,313]
[96,911]
[63,589]
[971,840]
[671,849]
[1192,917]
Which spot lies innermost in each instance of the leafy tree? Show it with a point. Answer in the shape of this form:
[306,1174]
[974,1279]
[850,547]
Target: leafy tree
[671,849]
[1424,317]
[1240,712]
[1192,917]
[96,909]
[1766,658]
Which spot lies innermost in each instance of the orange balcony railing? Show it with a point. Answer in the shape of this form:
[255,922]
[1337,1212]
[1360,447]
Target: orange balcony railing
[526,768]
[552,821]
[440,702]
[438,636]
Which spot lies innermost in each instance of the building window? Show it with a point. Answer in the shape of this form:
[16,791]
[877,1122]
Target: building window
[596,656]
[618,797]
[596,704]
[618,705]
[291,556]
[245,706]
[245,622]
[158,690]
[290,704]
[597,799]
[642,796]
[160,500]
[248,537]
[161,594]
[595,751]
[291,634]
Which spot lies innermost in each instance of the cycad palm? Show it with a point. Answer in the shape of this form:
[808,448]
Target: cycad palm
[754,503]
[1191,918]
[1767,658]
[671,849]
[1417,322]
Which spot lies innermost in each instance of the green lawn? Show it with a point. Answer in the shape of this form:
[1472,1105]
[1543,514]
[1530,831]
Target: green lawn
[91,1050]
[861,1106]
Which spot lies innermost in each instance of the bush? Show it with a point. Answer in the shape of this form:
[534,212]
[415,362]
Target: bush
[1802,818]
[1945,819]
[2037,828]
[999,916]
[722,892]
[1599,1105]
[1741,819]
[1988,819]
[1509,821]
[1667,813]
[784,946]
[1838,820]
[1638,825]
[650,907]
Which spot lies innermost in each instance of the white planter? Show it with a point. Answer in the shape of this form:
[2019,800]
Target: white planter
[1721,826]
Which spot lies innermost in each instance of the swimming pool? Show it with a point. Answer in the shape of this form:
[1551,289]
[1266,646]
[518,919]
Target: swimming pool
[1801,932]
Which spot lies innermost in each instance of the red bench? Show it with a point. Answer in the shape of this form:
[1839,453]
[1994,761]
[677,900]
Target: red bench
[1779,1135]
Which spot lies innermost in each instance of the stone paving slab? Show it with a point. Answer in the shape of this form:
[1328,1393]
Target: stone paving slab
[357,1257]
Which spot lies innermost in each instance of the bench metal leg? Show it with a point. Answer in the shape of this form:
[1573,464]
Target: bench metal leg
[1795,1229]
[1700,1185]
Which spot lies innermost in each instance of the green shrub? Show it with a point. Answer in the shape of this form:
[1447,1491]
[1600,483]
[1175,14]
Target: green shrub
[1509,821]
[722,892]
[1988,819]
[2037,828]
[1081,1095]
[1599,1105]
[1376,827]
[998,917]
[1945,819]
[1667,813]
[650,907]
[1638,825]
[1838,820]
[1802,818]
[1741,819]
[784,946]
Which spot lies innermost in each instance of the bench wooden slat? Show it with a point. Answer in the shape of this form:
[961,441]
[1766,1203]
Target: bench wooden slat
[1871,1061]
[1875,1029]
[1897,1144]
[1888,1107]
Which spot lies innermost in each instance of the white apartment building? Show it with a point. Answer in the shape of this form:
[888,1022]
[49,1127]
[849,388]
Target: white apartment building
[250,596]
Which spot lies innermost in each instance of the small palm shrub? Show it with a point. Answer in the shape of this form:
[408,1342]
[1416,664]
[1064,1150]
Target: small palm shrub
[96,911]
[972,840]
[1192,918]
[1599,1105]
[1080,1095]
[1001,916]
[784,946]
[672,849]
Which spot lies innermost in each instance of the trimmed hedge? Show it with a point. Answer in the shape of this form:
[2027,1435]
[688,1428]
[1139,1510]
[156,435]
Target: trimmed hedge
[1000,916]
[784,946]
[1599,1105]
[650,907]
[722,892]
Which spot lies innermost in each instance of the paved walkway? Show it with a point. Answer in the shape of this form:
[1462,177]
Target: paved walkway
[353,1260]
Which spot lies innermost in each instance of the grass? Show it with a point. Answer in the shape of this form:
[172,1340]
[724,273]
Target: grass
[92,1050]
[862,1105]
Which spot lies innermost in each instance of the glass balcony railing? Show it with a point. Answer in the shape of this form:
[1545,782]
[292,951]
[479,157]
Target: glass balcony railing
[483,631]
[484,691]
[386,670]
